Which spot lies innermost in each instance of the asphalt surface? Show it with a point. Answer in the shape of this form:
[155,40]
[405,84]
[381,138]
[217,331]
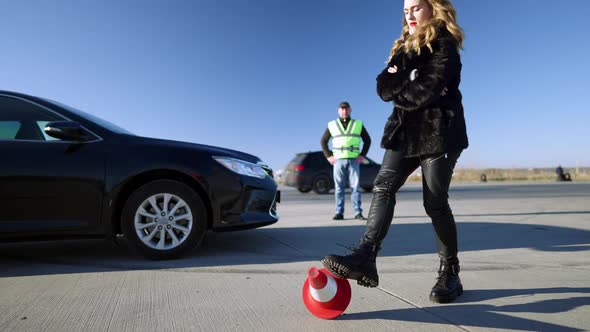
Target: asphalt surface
[524,250]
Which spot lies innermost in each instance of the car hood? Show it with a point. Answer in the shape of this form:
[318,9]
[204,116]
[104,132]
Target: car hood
[213,150]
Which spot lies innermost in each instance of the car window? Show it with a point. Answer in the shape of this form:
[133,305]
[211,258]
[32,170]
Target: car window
[8,129]
[309,160]
[318,159]
[21,120]
[101,122]
[298,160]
[314,160]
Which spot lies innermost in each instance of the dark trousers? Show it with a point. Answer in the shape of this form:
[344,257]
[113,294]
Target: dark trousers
[436,178]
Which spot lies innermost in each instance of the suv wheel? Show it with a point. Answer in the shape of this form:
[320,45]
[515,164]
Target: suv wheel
[321,184]
[163,219]
[368,189]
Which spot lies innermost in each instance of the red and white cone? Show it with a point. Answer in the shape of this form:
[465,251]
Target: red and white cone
[325,295]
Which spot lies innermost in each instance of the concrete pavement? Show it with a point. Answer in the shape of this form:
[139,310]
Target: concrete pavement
[524,250]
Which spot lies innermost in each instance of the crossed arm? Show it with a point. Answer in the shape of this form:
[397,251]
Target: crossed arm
[416,86]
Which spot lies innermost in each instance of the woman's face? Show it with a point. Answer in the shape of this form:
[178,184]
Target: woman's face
[417,12]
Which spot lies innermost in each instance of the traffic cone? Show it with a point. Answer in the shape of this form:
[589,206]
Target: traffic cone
[325,295]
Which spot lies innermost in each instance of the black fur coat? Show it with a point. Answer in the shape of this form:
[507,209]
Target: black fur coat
[424,122]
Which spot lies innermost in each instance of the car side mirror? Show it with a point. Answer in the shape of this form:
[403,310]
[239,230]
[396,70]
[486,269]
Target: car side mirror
[66,130]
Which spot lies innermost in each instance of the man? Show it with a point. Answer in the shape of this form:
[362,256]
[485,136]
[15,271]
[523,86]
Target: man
[346,134]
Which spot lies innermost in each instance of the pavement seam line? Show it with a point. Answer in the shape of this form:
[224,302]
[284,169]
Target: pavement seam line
[422,308]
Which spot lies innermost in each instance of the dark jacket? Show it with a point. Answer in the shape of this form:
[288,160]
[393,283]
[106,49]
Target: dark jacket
[423,122]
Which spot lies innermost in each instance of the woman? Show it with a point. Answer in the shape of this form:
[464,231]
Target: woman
[426,129]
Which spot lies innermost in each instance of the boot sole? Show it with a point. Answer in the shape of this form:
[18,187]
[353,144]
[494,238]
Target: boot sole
[447,299]
[345,272]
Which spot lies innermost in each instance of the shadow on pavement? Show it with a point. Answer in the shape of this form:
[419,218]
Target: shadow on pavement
[487,315]
[506,214]
[232,252]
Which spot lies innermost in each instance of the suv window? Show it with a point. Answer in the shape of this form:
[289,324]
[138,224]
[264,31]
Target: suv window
[21,120]
[316,160]
[298,158]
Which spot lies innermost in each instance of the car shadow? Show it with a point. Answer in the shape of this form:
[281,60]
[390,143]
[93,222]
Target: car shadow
[276,245]
[487,315]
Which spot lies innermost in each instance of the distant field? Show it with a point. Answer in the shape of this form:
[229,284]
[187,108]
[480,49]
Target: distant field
[509,174]
[514,174]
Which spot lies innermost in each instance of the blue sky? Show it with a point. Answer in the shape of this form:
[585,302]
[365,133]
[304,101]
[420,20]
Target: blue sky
[265,76]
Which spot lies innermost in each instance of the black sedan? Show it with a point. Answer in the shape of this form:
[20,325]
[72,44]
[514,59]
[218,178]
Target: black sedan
[67,174]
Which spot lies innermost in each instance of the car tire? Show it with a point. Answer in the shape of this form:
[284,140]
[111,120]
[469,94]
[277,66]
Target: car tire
[304,190]
[321,184]
[164,232]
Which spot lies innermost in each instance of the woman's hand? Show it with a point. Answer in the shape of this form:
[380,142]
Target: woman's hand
[392,70]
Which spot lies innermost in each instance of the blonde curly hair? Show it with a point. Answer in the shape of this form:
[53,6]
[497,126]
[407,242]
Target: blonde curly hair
[443,13]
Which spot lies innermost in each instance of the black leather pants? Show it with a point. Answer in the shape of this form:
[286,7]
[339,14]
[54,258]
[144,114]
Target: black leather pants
[436,178]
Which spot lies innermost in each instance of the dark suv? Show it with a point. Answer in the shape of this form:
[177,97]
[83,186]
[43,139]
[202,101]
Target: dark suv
[311,171]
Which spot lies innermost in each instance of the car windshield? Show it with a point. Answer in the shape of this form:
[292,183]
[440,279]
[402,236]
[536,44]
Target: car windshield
[103,123]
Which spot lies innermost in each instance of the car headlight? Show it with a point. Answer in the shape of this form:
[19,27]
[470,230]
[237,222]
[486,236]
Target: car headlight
[242,167]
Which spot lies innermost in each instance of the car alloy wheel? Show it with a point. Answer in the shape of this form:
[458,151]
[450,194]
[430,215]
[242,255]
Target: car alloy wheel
[163,221]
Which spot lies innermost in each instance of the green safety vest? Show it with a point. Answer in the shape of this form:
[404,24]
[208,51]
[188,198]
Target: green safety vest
[346,143]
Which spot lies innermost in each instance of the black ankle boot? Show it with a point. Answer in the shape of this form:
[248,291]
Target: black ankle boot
[448,286]
[360,265]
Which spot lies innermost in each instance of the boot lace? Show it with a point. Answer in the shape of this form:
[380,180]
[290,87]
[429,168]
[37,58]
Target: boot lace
[350,247]
[443,278]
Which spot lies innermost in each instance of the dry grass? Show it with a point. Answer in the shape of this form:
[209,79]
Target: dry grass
[513,174]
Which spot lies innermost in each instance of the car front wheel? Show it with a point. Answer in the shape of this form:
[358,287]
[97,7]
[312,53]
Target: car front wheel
[164,218]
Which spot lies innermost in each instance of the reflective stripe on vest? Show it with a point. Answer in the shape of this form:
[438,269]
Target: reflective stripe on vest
[346,143]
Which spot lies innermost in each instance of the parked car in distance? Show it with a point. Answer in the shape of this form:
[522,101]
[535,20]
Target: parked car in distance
[311,171]
[68,174]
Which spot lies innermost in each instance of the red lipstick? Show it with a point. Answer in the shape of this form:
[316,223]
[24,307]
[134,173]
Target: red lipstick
[413,24]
